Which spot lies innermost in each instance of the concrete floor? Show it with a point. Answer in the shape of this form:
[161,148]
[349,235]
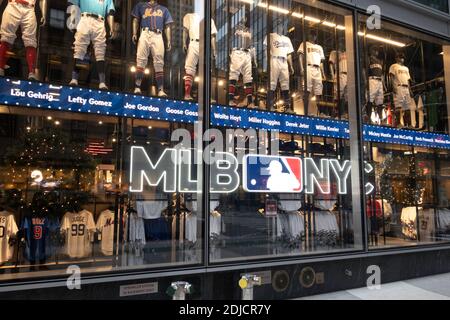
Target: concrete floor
[428,288]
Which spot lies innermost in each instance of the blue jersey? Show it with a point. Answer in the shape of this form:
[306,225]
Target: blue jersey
[37,231]
[99,7]
[152,16]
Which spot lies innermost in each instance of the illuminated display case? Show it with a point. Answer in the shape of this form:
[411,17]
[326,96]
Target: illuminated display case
[322,137]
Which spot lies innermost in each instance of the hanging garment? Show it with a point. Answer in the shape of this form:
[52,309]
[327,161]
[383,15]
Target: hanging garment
[150,209]
[409,219]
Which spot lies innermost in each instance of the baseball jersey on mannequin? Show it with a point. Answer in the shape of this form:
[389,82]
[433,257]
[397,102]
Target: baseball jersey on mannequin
[314,58]
[21,14]
[91,28]
[341,61]
[191,22]
[376,89]
[105,225]
[241,58]
[78,228]
[8,229]
[191,33]
[280,48]
[153,20]
[402,94]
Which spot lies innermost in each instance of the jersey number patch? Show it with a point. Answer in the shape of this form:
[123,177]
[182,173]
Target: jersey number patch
[2,231]
[37,232]
[78,230]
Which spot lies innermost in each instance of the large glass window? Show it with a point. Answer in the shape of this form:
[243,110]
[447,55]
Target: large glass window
[403,78]
[409,204]
[290,203]
[283,56]
[66,195]
[133,46]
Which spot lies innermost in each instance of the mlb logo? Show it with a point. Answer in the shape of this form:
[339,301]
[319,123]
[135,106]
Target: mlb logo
[272,174]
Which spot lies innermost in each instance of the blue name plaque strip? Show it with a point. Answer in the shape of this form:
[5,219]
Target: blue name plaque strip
[271,121]
[405,137]
[46,96]
[64,98]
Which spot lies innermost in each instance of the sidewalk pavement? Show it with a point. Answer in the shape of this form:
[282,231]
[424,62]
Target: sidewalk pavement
[428,288]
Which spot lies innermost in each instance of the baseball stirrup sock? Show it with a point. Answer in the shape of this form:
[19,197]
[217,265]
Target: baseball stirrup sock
[286,98]
[101,71]
[76,69]
[4,47]
[139,76]
[159,77]
[31,58]
[188,80]
[270,96]
[248,88]
[232,90]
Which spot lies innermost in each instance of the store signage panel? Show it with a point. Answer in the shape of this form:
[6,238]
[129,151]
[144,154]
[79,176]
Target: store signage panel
[260,174]
[222,116]
[406,137]
[64,98]
[138,289]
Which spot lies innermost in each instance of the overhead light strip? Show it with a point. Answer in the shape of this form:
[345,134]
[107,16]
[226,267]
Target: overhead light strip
[381,39]
[294,14]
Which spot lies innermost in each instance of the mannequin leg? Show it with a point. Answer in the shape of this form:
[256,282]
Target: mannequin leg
[413,121]
[248,88]
[76,72]
[101,65]
[306,103]
[270,98]
[138,79]
[287,101]
[31,53]
[4,47]
[421,118]
[188,81]
[232,93]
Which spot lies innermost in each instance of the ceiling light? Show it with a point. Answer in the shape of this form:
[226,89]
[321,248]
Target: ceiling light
[147,71]
[297,15]
[133,69]
[100,122]
[262,5]
[149,127]
[57,123]
[329,24]
[49,118]
[340,27]
[312,19]
[197,79]
[221,83]
[278,9]
[381,39]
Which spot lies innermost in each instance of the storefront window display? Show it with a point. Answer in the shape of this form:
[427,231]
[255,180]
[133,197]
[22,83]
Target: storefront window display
[65,200]
[409,204]
[293,202]
[263,63]
[133,46]
[403,77]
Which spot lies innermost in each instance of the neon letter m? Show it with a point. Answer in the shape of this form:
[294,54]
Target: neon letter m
[142,170]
